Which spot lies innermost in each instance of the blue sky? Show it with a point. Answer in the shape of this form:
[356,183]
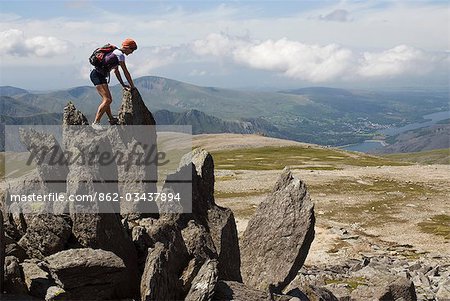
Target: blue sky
[235,44]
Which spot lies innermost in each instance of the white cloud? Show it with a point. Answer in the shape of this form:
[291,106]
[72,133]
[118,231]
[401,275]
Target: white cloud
[218,44]
[317,63]
[15,43]
[399,60]
[296,44]
[150,59]
[85,71]
[296,60]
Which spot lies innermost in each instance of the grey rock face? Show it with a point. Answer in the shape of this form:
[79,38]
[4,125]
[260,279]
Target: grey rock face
[198,242]
[133,110]
[402,288]
[278,236]
[138,139]
[443,292]
[231,290]
[219,221]
[13,279]
[134,142]
[182,248]
[14,249]
[174,259]
[202,287]
[46,234]
[160,280]
[36,278]
[87,274]
[72,116]
[49,157]
[104,230]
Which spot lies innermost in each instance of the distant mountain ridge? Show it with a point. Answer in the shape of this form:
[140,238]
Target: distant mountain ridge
[319,115]
[424,139]
[11,91]
[207,124]
[16,112]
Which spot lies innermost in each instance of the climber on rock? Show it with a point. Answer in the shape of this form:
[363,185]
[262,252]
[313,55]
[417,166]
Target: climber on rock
[106,59]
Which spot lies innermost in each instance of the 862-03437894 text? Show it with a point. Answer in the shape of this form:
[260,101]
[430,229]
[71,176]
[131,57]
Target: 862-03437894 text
[97,196]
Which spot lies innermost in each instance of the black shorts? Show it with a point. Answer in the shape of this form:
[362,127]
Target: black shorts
[98,78]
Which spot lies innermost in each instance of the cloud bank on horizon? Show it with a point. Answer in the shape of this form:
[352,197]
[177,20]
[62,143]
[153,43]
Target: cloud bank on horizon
[303,43]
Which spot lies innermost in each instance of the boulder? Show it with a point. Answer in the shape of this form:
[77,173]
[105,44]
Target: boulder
[198,241]
[13,280]
[37,278]
[278,236]
[87,274]
[231,290]
[46,234]
[105,231]
[385,287]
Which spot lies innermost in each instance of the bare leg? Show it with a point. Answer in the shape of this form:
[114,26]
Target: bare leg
[104,107]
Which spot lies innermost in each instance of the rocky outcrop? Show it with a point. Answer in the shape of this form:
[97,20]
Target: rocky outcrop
[199,167]
[159,280]
[72,116]
[379,277]
[383,286]
[137,139]
[97,224]
[185,250]
[175,258]
[133,111]
[400,289]
[280,231]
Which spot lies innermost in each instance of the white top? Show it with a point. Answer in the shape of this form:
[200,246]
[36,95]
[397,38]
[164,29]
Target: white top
[119,55]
